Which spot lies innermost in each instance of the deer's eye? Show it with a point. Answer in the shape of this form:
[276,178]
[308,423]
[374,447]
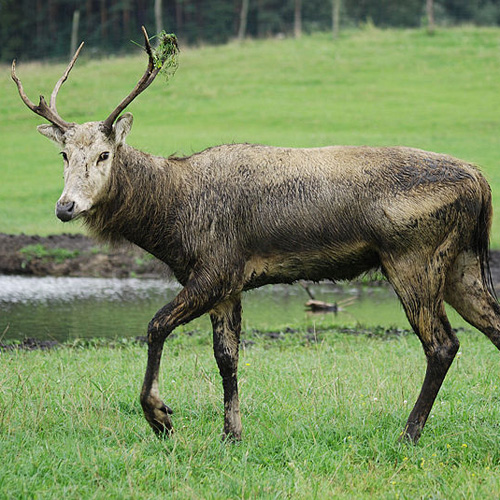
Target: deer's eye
[64,155]
[103,156]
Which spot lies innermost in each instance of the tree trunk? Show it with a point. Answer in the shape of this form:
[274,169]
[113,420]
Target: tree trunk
[243,20]
[429,7]
[335,18]
[104,20]
[158,16]
[297,24]
[74,33]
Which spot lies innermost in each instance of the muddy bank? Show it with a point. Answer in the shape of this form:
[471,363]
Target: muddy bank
[73,255]
[79,255]
[306,336]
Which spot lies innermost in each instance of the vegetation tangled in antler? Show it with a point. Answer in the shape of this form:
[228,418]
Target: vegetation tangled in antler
[166,54]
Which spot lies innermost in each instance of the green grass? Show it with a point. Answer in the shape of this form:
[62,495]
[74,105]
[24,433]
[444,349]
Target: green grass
[39,251]
[375,87]
[321,420]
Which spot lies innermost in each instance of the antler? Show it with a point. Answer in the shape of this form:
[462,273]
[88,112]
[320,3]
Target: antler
[48,112]
[155,64]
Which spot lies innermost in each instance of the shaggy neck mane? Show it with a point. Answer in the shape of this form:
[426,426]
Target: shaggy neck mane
[136,204]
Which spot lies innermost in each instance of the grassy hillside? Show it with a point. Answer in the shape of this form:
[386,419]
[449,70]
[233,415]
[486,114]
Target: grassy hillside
[372,87]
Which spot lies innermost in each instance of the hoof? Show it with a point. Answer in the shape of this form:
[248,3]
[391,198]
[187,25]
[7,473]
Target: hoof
[158,417]
[230,437]
[409,435]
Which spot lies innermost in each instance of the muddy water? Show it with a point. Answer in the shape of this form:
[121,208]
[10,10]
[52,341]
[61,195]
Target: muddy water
[69,308]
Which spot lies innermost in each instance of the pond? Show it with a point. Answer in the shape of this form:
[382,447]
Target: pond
[69,308]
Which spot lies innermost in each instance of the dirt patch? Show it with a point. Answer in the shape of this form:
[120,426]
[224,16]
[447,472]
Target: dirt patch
[73,255]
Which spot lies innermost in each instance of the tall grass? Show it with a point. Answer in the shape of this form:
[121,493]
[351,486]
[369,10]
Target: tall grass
[321,420]
[372,87]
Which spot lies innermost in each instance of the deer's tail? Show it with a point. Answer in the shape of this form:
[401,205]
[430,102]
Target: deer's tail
[481,241]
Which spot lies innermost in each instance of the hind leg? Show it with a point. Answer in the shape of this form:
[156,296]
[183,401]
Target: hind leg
[440,348]
[226,322]
[467,294]
[421,293]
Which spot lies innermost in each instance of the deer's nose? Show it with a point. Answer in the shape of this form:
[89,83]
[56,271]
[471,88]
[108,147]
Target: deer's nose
[65,211]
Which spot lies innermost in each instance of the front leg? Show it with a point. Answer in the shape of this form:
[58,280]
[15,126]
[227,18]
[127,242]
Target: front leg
[192,301]
[226,322]
[156,412]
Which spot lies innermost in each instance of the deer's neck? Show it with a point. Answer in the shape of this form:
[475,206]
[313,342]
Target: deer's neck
[137,207]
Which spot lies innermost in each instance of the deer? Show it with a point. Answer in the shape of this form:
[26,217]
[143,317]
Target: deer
[235,217]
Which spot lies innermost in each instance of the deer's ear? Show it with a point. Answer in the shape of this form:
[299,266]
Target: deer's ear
[122,127]
[52,132]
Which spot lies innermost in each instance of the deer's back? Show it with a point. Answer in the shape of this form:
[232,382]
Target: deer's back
[324,212]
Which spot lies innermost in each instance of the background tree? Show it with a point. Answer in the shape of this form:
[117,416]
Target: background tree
[242,29]
[297,19]
[159,15]
[429,8]
[335,17]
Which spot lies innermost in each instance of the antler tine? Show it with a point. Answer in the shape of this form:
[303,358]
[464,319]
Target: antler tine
[20,88]
[149,49]
[146,80]
[63,78]
[42,109]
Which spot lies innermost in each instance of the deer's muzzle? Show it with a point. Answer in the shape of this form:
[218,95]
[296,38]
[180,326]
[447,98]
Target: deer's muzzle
[65,211]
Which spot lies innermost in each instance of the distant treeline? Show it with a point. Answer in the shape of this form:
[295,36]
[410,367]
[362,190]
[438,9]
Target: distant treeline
[35,29]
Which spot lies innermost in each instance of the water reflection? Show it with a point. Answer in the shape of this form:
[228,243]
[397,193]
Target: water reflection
[69,308]
[21,289]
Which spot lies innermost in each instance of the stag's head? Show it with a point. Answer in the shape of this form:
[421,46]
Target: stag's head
[88,150]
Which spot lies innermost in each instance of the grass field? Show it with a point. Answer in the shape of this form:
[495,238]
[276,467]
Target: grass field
[372,87]
[321,420]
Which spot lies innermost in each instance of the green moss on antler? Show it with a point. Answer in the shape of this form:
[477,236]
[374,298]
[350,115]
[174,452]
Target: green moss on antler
[166,54]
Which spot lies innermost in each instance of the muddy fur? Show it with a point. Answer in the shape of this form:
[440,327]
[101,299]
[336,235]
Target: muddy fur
[285,214]
[236,217]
